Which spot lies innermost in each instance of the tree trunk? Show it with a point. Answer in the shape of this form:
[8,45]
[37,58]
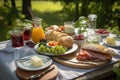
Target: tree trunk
[76,10]
[25,11]
[13,4]
[84,8]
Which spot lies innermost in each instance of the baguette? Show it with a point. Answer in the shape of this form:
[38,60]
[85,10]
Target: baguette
[98,48]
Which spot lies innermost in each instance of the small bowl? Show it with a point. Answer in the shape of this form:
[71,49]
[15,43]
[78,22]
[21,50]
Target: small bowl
[102,32]
[52,45]
[49,46]
[103,35]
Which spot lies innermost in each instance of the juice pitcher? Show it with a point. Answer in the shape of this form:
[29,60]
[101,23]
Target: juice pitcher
[37,31]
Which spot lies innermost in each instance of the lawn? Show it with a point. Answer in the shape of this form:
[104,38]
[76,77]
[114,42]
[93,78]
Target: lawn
[46,6]
[50,12]
[47,10]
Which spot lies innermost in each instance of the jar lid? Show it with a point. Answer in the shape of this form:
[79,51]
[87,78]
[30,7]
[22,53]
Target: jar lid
[27,25]
[37,19]
[92,16]
[15,32]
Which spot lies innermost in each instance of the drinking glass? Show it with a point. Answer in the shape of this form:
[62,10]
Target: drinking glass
[27,33]
[17,38]
[69,27]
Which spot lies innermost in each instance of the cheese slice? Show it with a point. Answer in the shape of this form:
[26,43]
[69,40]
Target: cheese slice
[111,41]
[36,61]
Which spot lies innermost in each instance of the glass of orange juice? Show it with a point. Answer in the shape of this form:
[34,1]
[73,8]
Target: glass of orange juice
[37,31]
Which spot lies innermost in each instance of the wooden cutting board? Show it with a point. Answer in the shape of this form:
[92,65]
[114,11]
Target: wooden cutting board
[24,75]
[70,61]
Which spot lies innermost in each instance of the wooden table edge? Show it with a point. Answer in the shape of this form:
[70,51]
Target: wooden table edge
[99,73]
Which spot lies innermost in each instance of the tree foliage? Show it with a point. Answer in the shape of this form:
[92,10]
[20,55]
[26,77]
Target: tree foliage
[108,11]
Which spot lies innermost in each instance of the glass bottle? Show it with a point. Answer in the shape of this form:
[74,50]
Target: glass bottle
[37,31]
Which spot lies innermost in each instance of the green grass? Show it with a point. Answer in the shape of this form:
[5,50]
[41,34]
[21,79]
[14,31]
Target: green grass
[46,6]
[49,11]
[42,6]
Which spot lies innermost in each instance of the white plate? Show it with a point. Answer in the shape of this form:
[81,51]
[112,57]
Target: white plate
[116,46]
[26,65]
[71,50]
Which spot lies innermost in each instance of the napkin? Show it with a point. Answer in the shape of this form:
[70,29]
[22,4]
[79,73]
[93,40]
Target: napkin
[5,73]
[6,47]
[23,51]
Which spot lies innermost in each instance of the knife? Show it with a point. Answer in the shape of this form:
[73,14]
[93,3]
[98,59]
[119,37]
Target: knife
[34,77]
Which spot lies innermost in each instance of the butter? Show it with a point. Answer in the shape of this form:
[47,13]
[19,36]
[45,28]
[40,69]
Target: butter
[36,61]
[110,40]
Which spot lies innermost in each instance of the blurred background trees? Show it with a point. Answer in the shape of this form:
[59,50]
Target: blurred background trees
[13,12]
[108,12]
[25,5]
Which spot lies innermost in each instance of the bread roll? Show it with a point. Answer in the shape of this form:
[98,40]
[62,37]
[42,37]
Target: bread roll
[98,48]
[65,41]
[61,38]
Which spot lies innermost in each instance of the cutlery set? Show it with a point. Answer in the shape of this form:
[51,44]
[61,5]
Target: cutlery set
[39,75]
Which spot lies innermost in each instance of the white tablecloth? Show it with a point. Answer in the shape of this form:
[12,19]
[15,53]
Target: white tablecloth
[8,66]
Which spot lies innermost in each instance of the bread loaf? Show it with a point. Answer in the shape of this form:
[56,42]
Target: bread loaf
[60,37]
[98,48]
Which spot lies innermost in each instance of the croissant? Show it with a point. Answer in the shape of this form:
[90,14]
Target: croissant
[61,38]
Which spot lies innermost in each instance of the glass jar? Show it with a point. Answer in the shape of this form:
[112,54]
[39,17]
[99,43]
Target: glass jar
[27,31]
[37,31]
[16,38]
[69,27]
[92,37]
[92,21]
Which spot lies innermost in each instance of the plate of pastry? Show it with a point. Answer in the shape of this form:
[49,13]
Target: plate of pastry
[34,62]
[112,42]
[55,51]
